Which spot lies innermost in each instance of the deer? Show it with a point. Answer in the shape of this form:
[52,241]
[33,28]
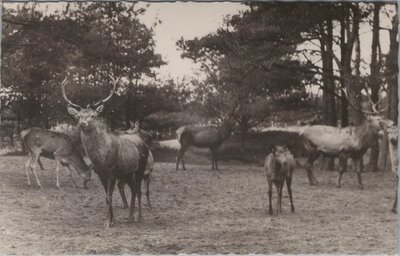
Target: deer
[53,145]
[348,142]
[278,168]
[113,157]
[391,131]
[138,135]
[204,137]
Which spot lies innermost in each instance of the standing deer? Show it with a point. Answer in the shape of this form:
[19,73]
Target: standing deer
[137,135]
[113,157]
[204,137]
[279,166]
[392,135]
[53,145]
[348,142]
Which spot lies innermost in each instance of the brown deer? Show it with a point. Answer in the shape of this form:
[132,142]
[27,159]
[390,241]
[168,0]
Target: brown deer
[57,146]
[348,142]
[138,135]
[113,157]
[392,134]
[279,166]
[204,137]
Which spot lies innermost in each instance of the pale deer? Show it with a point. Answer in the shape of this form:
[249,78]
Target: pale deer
[57,146]
[138,135]
[279,166]
[348,142]
[204,137]
[392,136]
[113,157]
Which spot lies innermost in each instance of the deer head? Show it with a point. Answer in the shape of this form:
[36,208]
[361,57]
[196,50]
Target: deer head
[87,117]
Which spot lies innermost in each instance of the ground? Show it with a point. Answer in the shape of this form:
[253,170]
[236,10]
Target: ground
[197,211]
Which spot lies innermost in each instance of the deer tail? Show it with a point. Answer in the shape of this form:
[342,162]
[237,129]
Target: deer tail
[25,147]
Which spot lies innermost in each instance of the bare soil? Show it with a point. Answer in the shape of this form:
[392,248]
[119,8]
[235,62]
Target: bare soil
[197,211]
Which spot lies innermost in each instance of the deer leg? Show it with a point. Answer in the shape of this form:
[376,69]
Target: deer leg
[35,163]
[359,170]
[139,195]
[310,161]
[289,188]
[216,159]
[27,167]
[121,188]
[58,167]
[147,185]
[181,152]
[270,211]
[342,169]
[394,208]
[132,184]
[110,189]
[279,200]
[70,175]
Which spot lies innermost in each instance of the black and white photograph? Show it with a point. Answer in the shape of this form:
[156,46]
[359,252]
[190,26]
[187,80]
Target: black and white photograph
[166,128]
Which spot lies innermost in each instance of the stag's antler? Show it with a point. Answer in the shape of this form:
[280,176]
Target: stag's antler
[374,105]
[63,83]
[115,82]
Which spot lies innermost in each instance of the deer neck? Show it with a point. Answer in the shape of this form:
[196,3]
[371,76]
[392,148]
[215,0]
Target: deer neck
[226,130]
[364,133]
[96,142]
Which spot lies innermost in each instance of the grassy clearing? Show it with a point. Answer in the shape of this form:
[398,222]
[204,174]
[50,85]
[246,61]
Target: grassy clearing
[198,211]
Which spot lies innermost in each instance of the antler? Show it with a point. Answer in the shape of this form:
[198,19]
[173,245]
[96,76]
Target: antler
[112,91]
[374,105]
[63,83]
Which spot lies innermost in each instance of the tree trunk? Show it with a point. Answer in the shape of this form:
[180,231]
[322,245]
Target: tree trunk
[393,100]
[375,81]
[344,119]
[128,107]
[329,84]
[244,128]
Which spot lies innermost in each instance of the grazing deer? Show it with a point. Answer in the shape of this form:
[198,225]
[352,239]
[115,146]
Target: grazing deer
[392,135]
[137,135]
[57,146]
[279,166]
[348,142]
[204,137]
[113,157]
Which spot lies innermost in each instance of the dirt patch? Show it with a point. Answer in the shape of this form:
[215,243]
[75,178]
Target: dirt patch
[198,211]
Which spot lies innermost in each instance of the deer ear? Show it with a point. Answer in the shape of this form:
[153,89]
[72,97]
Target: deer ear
[100,108]
[72,111]
[132,124]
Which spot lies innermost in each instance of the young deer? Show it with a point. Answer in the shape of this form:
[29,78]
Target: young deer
[137,135]
[204,137]
[279,166]
[57,146]
[113,157]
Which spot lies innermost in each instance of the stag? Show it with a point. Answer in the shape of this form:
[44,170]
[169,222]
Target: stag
[113,157]
[279,166]
[138,135]
[348,142]
[204,137]
[57,146]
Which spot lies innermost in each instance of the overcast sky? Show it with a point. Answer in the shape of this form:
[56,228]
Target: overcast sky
[187,20]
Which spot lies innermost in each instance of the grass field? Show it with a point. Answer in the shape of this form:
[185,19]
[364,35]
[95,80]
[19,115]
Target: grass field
[197,211]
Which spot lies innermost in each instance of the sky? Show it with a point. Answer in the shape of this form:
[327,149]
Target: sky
[196,19]
[187,20]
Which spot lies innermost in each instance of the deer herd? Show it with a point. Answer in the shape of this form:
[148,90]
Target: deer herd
[126,159]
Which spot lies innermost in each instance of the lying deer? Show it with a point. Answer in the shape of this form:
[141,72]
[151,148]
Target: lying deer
[204,137]
[113,157]
[57,146]
[279,166]
[138,135]
[348,142]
